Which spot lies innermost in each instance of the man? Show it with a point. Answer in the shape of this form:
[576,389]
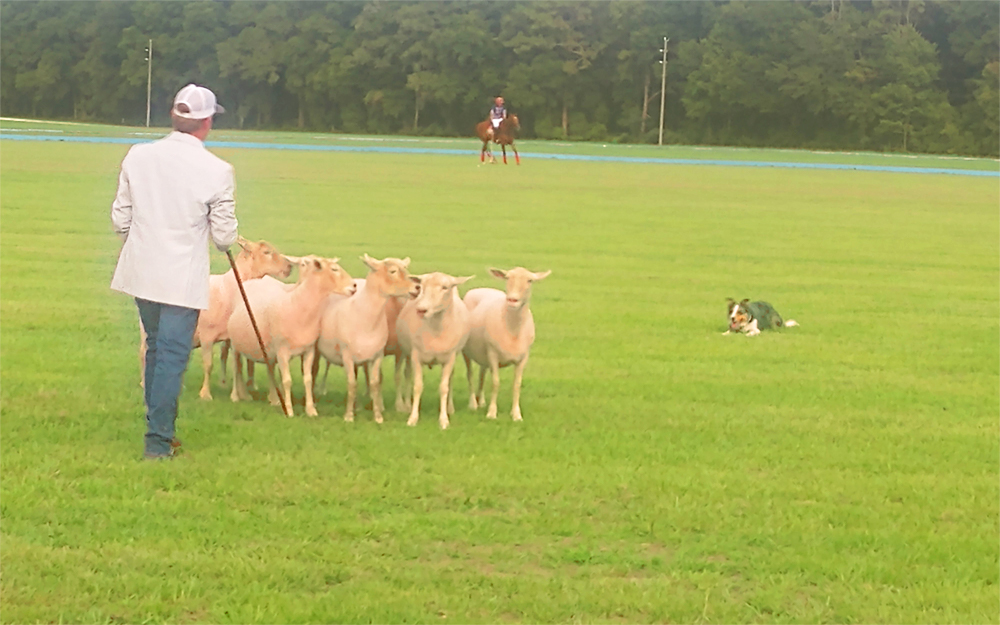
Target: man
[173,194]
[497,114]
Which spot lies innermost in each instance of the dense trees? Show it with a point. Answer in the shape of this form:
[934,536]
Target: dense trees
[912,75]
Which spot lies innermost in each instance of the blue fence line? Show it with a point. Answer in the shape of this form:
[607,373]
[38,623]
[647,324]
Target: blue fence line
[537,155]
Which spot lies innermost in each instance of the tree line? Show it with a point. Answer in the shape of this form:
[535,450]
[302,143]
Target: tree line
[900,75]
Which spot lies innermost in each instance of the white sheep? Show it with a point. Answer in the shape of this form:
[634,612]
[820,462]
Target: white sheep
[254,261]
[432,329]
[354,330]
[501,333]
[289,318]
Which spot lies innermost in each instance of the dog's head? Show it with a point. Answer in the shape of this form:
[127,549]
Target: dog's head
[739,315]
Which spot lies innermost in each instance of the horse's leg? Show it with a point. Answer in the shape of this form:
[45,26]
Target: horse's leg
[482,153]
[503,146]
[517,157]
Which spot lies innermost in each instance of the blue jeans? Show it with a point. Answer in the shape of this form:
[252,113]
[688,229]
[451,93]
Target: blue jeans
[169,335]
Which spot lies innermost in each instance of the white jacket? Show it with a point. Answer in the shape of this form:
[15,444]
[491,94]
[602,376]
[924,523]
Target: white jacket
[172,194]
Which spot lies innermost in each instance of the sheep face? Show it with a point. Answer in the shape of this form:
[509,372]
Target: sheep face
[519,281]
[330,276]
[267,260]
[437,293]
[389,275]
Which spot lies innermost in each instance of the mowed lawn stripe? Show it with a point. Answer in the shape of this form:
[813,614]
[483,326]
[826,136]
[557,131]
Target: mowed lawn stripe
[841,471]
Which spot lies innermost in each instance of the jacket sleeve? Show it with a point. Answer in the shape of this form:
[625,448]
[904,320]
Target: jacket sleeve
[222,213]
[121,208]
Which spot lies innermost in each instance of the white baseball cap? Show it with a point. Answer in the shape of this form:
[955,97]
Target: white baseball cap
[199,101]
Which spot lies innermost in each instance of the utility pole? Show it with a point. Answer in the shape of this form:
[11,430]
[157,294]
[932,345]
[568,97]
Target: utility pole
[149,77]
[663,86]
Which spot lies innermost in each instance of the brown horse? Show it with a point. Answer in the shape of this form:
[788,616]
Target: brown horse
[504,135]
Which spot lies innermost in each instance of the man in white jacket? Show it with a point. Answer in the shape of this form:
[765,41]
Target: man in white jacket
[173,194]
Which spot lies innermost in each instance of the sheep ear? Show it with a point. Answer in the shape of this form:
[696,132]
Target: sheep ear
[416,279]
[334,261]
[293,259]
[243,243]
[405,262]
[498,273]
[371,262]
[317,264]
[462,280]
[540,276]
[745,302]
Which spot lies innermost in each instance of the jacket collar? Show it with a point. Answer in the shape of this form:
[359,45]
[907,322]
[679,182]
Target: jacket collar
[185,138]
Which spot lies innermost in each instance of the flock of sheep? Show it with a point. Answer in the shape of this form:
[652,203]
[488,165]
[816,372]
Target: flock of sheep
[419,319]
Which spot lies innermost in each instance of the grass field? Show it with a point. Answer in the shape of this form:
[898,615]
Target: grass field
[845,471]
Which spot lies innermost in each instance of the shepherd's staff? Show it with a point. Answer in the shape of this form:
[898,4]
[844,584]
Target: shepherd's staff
[260,341]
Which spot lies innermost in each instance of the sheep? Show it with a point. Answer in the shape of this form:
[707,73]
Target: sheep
[321,383]
[392,307]
[288,317]
[297,261]
[354,330]
[254,261]
[432,329]
[502,331]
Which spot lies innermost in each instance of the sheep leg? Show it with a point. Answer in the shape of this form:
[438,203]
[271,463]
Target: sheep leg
[406,386]
[374,375]
[314,369]
[468,376]
[307,380]
[352,385]
[322,384]
[480,394]
[206,365]
[444,391]
[417,370]
[272,390]
[240,391]
[515,411]
[397,367]
[494,358]
[357,369]
[224,357]
[284,368]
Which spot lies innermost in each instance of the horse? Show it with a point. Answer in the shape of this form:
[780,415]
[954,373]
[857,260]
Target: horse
[504,135]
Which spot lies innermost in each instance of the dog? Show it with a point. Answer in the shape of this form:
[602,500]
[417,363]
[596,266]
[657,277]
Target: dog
[752,317]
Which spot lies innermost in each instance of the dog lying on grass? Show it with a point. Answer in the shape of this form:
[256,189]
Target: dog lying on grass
[752,317]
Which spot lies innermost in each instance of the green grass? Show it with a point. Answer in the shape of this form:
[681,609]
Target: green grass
[844,471]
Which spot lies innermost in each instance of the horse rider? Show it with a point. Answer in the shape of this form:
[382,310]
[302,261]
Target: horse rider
[497,114]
